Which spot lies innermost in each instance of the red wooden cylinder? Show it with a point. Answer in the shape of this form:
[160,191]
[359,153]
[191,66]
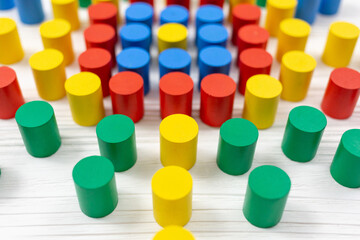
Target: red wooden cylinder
[244,14]
[101,36]
[11,97]
[252,36]
[219,3]
[184,3]
[103,12]
[127,94]
[217,99]
[176,93]
[151,2]
[253,61]
[342,93]
[98,61]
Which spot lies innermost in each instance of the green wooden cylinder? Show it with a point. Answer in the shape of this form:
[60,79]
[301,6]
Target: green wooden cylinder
[345,168]
[236,147]
[95,186]
[303,132]
[266,196]
[84,3]
[116,138]
[38,128]
[261,3]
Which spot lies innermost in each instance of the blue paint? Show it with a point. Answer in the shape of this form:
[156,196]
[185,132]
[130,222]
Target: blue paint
[174,14]
[212,35]
[329,7]
[307,10]
[174,60]
[140,13]
[6,4]
[208,14]
[30,11]
[135,35]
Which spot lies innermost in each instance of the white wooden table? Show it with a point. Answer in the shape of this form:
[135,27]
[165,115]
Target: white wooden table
[37,195]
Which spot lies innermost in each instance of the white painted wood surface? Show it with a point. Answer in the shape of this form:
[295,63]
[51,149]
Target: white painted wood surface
[37,196]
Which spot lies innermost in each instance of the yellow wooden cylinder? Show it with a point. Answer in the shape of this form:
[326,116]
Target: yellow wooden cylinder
[174,233]
[293,35]
[172,35]
[172,196]
[178,141]
[277,11]
[57,34]
[340,44]
[233,3]
[295,75]
[11,50]
[49,73]
[262,96]
[85,97]
[68,10]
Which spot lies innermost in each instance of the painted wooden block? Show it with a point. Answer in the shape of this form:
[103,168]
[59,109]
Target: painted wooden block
[6,4]
[174,60]
[174,233]
[207,14]
[329,7]
[172,35]
[30,12]
[233,3]
[212,35]
[104,13]
[184,3]
[174,14]
[307,10]
[67,10]
[11,50]
[219,3]
[135,35]
[140,12]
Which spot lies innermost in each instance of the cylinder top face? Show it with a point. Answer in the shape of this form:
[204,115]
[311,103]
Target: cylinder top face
[102,11]
[174,58]
[307,119]
[139,11]
[95,58]
[248,12]
[346,78]
[7,25]
[213,33]
[176,83]
[172,32]
[62,2]
[179,128]
[99,33]
[115,128]
[93,172]
[344,30]
[351,141]
[55,28]
[135,32]
[133,58]
[126,83]
[82,84]
[256,58]
[282,4]
[295,27]
[34,114]
[174,233]
[264,86]
[299,61]
[47,59]
[7,76]
[215,56]
[239,132]
[253,34]
[172,183]
[269,182]
[218,85]
[175,13]
[210,13]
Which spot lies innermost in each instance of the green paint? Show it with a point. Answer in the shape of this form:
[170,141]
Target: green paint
[266,195]
[261,3]
[237,144]
[303,133]
[116,138]
[95,186]
[38,128]
[84,3]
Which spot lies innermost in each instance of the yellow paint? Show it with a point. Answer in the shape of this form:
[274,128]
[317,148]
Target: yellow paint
[172,35]
[261,100]
[49,73]
[172,196]
[57,34]
[84,93]
[174,233]
[11,50]
[68,10]
[277,11]
[295,75]
[178,141]
[340,44]
[293,35]
[233,3]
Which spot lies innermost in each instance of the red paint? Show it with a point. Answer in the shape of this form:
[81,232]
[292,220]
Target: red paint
[101,36]
[127,95]
[103,12]
[98,61]
[151,2]
[253,61]
[244,14]
[11,97]
[184,3]
[219,3]
[217,99]
[342,93]
[176,92]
